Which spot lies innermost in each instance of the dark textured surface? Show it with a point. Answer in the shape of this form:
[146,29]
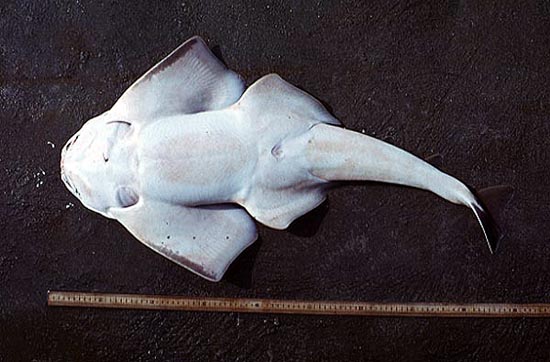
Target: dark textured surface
[464,79]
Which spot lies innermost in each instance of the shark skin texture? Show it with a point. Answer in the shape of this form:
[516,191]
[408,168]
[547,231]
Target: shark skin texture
[187,159]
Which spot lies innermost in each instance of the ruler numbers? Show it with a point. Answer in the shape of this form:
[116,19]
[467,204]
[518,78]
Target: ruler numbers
[137,301]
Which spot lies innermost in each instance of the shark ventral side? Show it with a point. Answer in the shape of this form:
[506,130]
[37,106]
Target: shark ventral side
[187,159]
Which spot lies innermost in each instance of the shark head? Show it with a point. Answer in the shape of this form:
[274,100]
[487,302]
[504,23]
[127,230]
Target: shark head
[97,164]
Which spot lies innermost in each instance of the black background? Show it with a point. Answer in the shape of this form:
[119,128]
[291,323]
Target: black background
[467,80]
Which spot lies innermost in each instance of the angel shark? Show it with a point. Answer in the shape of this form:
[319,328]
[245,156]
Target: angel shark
[187,158]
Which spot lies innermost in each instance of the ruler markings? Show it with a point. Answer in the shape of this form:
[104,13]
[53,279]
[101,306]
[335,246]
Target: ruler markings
[255,305]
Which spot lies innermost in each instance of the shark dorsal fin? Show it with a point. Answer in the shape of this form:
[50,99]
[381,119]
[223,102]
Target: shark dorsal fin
[189,80]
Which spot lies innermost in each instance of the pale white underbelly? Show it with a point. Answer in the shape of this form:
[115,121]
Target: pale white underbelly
[194,161]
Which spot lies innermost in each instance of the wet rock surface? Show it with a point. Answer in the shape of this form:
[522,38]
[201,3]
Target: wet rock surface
[464,80]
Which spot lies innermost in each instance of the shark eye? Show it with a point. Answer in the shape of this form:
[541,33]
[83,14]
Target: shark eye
[105,157]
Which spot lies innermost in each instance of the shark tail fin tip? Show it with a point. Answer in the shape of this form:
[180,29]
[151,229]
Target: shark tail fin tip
[491,201]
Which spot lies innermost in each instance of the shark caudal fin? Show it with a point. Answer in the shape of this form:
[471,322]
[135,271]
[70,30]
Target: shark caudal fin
[337,154]
[490,203]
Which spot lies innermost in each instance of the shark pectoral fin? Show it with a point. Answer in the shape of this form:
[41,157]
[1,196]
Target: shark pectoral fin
[204,240]
[189,80]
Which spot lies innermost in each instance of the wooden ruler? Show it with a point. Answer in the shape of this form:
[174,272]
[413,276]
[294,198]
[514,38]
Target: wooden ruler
[255,305]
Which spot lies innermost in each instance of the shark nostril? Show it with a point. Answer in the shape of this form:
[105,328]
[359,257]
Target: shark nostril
[71,142]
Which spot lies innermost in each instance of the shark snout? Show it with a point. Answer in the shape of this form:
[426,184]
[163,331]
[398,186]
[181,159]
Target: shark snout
[62,162]
[64,176]
[64,151]
[70,154]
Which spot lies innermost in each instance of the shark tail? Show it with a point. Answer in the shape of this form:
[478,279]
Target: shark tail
[337,154]
[489,204]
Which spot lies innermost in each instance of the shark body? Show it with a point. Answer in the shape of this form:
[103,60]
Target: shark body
[187,158]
